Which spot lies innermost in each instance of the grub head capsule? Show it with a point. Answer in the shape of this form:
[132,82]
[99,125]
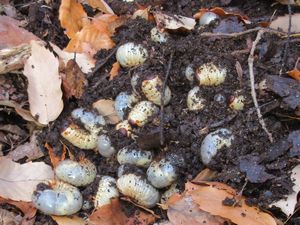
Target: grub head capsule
[162,174]
[63,199]
[213,142]
[137,188]
[131,54]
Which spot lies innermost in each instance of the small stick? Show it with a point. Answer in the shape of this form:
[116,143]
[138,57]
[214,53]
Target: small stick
[252,82]
[161,133]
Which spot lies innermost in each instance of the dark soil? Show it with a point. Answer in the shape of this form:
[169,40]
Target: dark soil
[184,131]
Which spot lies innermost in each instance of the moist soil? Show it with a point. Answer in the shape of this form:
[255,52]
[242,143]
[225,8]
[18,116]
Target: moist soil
[253,165]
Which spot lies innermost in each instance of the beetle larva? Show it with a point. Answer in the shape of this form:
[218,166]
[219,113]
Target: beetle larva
[137,188]
[62,199]
[78,174]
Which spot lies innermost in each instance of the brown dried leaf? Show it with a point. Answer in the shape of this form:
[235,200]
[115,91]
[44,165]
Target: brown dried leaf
[205,175]
[106,108]
[18,181]
[25,114]
[31,150]
[222,13]
[295,73]
[27,208]
[185,211]
[55,159]
[101,5]
[95,36]
[74,80]
[174,22]
[282,23]
[84,61]
[112,214]
[288,204]
[114,70]
[12,35]
[68,220]
[211,197]
[72,17]
[44,84]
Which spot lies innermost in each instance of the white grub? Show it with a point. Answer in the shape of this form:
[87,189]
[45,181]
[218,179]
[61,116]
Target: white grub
[213,142]
[78,174]
[63,199]
[162,174]
[124,102]
[194,100]
[237,102]
[137,188]
[173,189]
[134,157]
[189,73]
[104,146]
[141,113]
[131,54]
[91,121]
[107,190]
[157,36]
[125,128]
[208,18]
[79,137]
[210,75]
[152,90]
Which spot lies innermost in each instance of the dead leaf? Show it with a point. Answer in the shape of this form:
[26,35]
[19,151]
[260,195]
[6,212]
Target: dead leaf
[44,84]
[205,175]
[73,80]
[31,150]
[7,217]
[68,220]
[95,36]
[292,2]
[13,58]
[185,211]
[114,70]
[288,204]
[107,109]
[222,13]
[12,35]
[282,23]
[55,159]
[211,198]
[25,114]
[27,208]
[18,181]
[295,73]
[112,214]
[101,5]
[287,88]
[72,17]
[175,22]
[143,13]
[84,61]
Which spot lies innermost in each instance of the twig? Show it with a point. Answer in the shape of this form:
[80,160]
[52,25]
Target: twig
[252,82]
[161,133]
[230,35]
